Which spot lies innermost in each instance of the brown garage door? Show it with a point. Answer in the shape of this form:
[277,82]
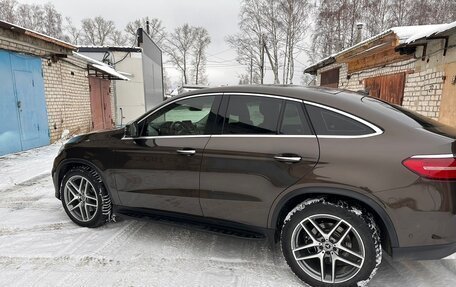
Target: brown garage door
[389,88]
[100,102]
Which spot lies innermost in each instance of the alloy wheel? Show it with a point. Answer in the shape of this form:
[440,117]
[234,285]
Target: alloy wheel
[80,198]
[327,248]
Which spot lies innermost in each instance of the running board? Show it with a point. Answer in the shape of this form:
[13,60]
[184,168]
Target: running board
[191,223]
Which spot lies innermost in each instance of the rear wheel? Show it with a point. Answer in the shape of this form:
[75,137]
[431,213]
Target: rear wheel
[328,244]
[84,197]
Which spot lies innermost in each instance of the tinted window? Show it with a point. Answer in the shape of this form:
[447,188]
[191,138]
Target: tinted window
[186,117]
[327,122]
[294,121]
[252,115]
[411,118]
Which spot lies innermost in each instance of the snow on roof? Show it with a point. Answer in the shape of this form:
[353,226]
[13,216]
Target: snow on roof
[431,30]
[405,34]
[101,66]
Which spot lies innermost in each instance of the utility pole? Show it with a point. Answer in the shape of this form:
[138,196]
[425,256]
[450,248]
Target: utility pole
[262,57]
[251,67]
[148,27]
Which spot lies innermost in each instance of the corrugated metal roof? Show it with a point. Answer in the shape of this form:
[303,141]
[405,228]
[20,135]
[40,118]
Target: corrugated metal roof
[109,48]
[102,67]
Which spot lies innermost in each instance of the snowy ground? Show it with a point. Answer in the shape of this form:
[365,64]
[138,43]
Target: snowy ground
[40,246]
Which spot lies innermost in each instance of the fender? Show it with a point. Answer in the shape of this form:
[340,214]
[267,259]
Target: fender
[66,162]
[340,192]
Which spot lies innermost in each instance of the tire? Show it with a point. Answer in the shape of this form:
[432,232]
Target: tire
[347,236]
[84,197]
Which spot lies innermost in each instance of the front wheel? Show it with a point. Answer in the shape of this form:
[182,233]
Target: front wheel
[329,244]
[84,197]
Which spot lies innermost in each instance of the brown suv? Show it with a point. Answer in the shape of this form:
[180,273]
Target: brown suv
[336,176]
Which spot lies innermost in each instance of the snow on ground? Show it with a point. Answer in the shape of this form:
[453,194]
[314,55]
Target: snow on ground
[40,246]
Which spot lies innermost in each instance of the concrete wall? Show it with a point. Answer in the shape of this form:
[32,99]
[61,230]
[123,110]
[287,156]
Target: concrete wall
[129,94]
[424,79]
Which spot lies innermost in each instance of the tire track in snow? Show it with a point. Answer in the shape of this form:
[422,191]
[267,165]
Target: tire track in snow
[26,183]
[37,228]
[121,237]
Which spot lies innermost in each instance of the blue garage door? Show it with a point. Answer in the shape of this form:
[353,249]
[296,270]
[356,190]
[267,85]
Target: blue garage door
[23,116]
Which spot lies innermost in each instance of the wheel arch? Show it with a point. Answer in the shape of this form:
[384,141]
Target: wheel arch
[289,201]
[68,164]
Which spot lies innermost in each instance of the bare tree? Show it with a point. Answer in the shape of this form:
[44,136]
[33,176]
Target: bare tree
[335,26]
[401,12]
[244,79]
[52,24]
[201,42]
[97,31]
[7,10]
[30,16]
[118,38]
[72,33]
[381,9]
[273,38]
[248,54]
[445,11]
[179,49]
[271,28]
[156,28]
[294,16]
[250,42]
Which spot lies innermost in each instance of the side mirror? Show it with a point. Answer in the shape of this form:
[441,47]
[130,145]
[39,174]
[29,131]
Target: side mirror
[131,130]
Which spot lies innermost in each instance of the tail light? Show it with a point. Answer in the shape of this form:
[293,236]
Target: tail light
[433,166]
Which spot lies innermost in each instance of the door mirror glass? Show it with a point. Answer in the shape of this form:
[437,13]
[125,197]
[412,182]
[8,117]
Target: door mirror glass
[131,130]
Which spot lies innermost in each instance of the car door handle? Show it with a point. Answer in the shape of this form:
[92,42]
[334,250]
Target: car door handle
[186,151]
[288,158]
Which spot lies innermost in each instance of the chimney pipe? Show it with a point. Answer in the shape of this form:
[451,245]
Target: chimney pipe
[359,32]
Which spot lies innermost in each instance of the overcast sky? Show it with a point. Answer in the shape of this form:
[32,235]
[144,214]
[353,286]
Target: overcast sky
[219,17]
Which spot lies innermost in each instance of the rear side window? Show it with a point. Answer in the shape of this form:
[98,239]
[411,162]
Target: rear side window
[330,123]
[294,121]
[252,115]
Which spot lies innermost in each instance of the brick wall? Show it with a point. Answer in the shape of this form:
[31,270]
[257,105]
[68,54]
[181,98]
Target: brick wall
[10,40]
[66,84]
[423,83]
[67,97]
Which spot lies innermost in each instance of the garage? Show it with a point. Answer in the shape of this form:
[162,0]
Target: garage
[23,115]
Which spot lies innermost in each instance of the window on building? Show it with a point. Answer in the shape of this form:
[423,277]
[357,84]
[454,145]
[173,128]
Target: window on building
[330,78]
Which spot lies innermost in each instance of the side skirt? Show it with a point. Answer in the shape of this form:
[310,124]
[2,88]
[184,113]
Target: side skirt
[200,223]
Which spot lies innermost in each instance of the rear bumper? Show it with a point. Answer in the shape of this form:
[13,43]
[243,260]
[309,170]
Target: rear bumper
[428,252]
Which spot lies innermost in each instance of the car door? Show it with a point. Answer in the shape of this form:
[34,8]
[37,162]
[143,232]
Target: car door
[160,168]
[266,146]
